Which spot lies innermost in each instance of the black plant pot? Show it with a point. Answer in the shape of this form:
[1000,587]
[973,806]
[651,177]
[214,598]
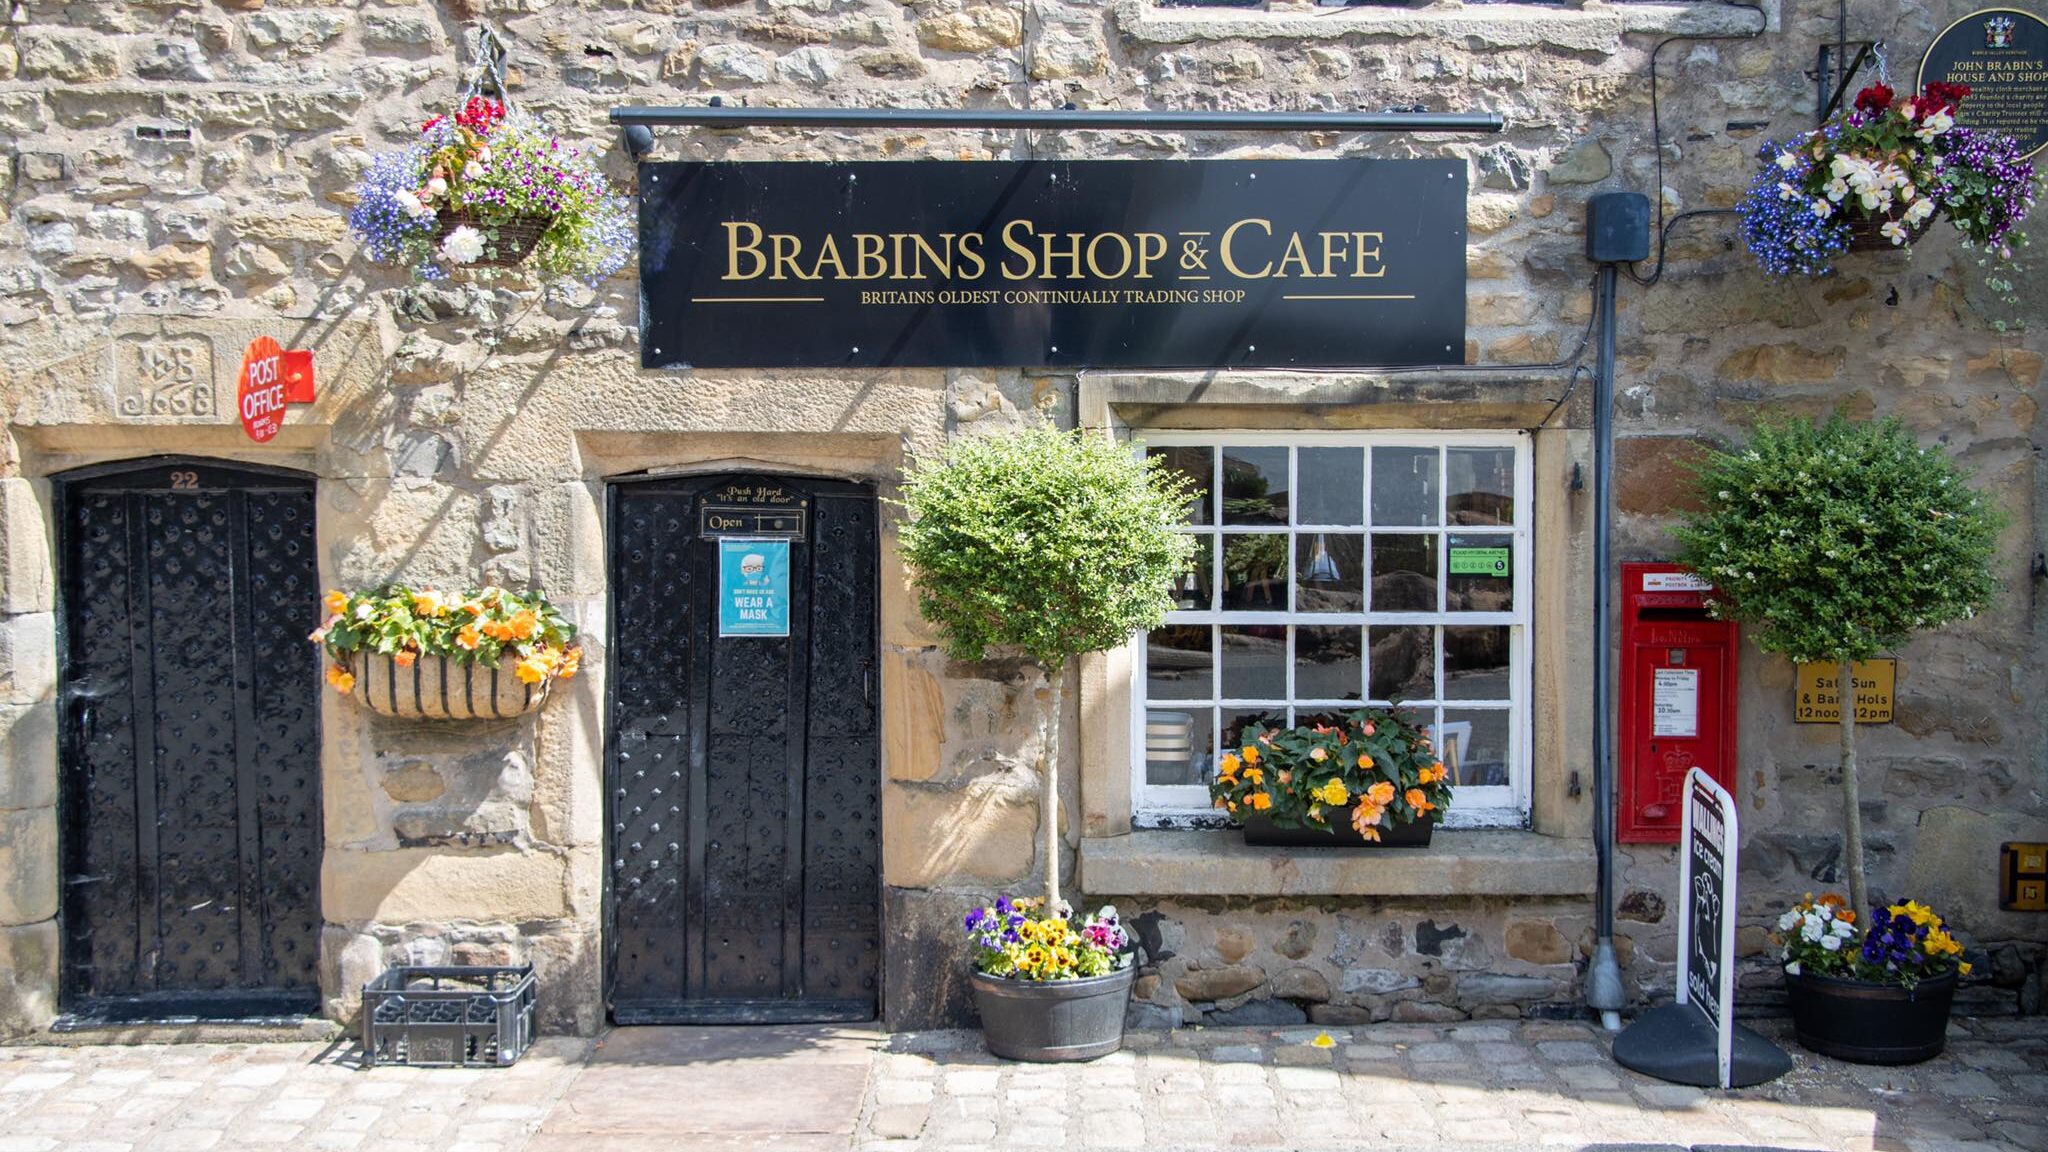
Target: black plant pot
[1866,1023]
[1049,1021]
[1262,832]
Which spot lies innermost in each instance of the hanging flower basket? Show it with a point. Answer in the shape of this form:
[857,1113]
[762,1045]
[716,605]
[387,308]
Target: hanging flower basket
[1874,177]
[491,188]
[507,243]
[424,655]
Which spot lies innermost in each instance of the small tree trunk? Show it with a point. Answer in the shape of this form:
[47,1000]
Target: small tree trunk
[1852,811]
[1049,771]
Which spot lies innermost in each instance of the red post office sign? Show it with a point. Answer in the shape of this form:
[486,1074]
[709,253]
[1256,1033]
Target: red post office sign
[272,377]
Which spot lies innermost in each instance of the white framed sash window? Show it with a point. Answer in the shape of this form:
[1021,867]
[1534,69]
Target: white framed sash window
[1338,568]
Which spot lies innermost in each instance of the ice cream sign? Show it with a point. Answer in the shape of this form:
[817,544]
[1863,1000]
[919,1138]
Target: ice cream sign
[272,377]
[753,587]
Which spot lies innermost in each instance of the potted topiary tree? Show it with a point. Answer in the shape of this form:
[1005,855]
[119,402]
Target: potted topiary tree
[1833,544]
[1054,544]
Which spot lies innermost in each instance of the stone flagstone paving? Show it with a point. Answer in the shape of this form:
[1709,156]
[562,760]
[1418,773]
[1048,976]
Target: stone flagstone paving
[1454,1087]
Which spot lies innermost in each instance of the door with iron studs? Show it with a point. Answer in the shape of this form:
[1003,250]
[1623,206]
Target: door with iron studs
[189,751]
[743,756]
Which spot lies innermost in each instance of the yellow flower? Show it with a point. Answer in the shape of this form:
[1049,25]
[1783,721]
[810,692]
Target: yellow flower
[344,681]
[572,659]
[1963,968]
[1229,765]
[1251,754]
[337,603]
[1322,1040]
[534,668]
[1260,801]
[429,603]
[1254,776]
[1334,793]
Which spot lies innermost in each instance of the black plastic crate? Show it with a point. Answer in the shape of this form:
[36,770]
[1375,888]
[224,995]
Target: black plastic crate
[453,1017]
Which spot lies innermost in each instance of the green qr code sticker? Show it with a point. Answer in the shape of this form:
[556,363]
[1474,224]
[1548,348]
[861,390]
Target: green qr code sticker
[1479,561]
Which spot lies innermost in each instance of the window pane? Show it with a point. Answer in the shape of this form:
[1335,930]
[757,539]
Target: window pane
[1197,464]
[1177,745]
[1329,572]
[1326,663]
[1255,662]
[1403,662]
[1403,573]
[1474,746]
[1255,485]
[1255,572]
[1332,483]
[1404,486]
[1482,577]
[1191,592]
[1179,664]
[1482,486]
[1476,663]
[1242,725]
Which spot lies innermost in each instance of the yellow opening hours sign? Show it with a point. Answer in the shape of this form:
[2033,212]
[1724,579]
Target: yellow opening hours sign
[1819,699]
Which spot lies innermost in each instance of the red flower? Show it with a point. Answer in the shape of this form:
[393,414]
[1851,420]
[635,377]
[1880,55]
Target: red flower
[1949,96]
[1874,99]
[481,114]
[429,125]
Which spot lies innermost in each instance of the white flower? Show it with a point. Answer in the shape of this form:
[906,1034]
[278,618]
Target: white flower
[1788,161]
[1837,188]
[1792,969]
[1871,199]
[1787,191]
[365,611]
[1842,928]
[465,245]
[1921,210]
[1934,125]
[1823,209]
[1894,232]
[1786,921]
[1810,930]
[472,171]
[437,187]
[1831,943]
[483,155]
[410,202]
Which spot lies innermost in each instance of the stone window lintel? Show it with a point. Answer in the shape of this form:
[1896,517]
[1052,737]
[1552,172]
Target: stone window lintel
[1595,27]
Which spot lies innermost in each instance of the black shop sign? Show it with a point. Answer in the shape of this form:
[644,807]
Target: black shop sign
[1105,263]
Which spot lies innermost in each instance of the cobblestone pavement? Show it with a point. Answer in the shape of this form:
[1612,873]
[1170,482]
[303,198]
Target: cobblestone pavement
[1447,1087]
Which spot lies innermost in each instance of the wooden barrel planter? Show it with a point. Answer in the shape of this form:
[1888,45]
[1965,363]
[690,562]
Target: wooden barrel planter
[437,688]
[506,244]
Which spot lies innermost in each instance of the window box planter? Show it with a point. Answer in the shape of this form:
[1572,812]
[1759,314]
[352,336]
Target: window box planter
[1865,1022]
[1260,831]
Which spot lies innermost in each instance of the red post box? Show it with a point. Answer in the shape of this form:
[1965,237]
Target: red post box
[1677,698]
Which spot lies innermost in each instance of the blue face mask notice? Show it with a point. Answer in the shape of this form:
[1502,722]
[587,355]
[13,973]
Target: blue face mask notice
[753,588]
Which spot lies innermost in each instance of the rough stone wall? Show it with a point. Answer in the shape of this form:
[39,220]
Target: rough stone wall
[176,174]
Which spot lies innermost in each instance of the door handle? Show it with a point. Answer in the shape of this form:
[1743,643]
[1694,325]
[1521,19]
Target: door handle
[867,677]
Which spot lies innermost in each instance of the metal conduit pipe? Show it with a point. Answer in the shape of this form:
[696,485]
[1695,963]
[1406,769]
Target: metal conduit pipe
[1604,992]
[1060,119]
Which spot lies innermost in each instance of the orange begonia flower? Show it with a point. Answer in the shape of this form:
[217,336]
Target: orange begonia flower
[344,681]
[405,657]
[1418,801]
[1251,754]
[1381,794]
[1364,761]
[337,602]
[467,639]
[1260,801]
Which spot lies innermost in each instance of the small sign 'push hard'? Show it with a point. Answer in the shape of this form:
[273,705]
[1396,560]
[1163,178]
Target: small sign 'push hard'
[1695,1039]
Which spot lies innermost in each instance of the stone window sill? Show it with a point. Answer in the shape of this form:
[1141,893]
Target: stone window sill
[1596,27]
[1219,863]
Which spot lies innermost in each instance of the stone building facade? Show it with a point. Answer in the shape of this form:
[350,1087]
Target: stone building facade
[177,175]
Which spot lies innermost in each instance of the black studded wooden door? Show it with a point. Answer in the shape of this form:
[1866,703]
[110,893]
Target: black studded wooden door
[743,766]
[190,744]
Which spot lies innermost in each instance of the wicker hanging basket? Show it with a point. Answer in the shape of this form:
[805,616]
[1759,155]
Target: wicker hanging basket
[506,244]
[1866,235]
[437,688]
